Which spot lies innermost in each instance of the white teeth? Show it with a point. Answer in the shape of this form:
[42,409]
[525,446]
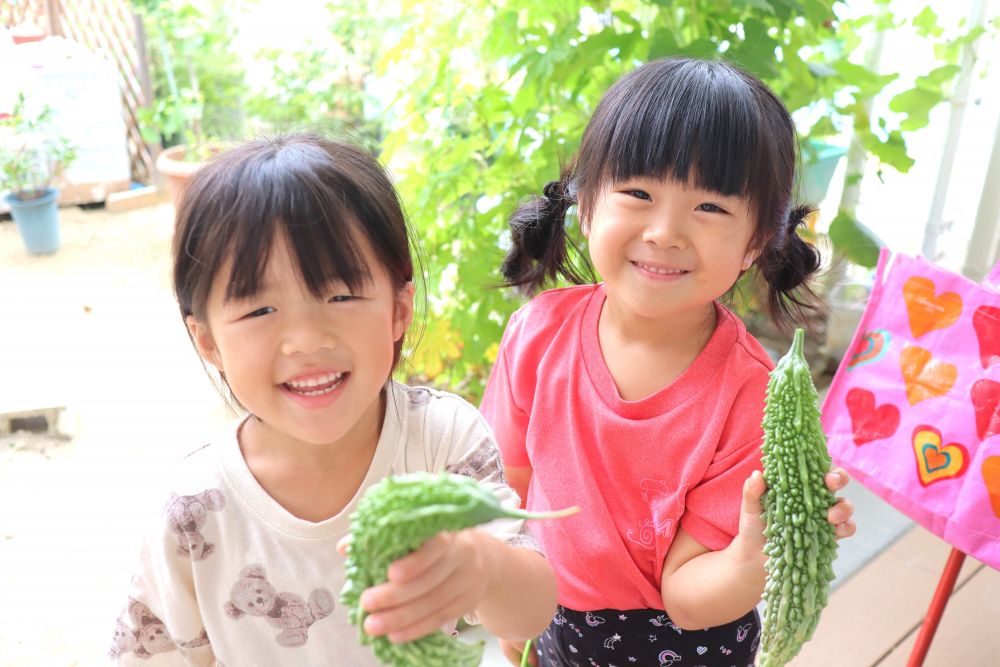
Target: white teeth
[660,271]
[317,381]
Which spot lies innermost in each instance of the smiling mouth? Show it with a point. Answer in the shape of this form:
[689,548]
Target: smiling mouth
[658,270]
[316,386]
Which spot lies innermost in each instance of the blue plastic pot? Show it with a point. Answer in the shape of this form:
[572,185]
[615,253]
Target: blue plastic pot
[37,220]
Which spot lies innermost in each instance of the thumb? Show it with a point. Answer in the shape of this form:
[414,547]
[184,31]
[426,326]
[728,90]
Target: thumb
[753,489]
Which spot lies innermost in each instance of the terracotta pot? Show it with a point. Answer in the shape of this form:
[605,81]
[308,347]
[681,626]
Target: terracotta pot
[176,170]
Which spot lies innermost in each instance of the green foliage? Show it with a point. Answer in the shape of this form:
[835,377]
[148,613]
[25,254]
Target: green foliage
[801,544]
[489,116]
[395,517]
[322,84]
[854,240]
[32,152]
[198,80]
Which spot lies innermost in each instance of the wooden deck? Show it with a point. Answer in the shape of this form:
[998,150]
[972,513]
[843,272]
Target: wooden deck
[873,618]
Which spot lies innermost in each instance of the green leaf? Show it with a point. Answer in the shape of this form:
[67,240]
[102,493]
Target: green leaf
[854,240]
[916,103]
[926,23]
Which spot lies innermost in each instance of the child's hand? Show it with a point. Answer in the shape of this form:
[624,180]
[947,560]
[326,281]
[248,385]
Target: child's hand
[514,652]
[436,584]
[751,533]
[752,523]
[840,514]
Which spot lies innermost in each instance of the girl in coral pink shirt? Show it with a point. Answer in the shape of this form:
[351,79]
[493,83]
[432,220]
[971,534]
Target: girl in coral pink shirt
[640,398]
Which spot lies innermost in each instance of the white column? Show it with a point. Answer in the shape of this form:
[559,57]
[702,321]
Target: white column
[935,221]
[984,245]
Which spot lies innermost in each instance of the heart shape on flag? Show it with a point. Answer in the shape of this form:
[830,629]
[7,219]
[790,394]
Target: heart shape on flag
[869,422]
[986,401]
[925,377]
[936,462]
[991,475]
[928,310]
[986,322]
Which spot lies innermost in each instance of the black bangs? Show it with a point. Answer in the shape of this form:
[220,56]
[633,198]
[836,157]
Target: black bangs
[688,119]
[294,193]
[315,196]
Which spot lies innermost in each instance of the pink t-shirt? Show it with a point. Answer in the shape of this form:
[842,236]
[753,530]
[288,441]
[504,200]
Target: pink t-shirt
[635,468]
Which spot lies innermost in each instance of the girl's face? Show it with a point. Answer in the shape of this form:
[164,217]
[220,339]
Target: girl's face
[311,369]
[665,248]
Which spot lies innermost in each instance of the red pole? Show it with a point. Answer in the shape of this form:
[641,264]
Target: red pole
[936,610]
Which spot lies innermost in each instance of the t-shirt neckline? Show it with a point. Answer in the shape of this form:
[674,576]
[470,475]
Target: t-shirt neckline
[693,380]
[259,502]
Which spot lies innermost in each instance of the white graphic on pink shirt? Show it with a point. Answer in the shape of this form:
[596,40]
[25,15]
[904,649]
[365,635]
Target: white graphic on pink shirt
[655,493]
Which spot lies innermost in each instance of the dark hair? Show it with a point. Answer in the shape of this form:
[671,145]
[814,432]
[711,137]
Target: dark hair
[680,118]
[325,197]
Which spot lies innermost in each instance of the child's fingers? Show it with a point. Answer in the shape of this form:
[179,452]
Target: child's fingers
[414,576]
[836,479]
[421,617]
[846,529]
[840,516]
[342,544]
[753,489]
[414,564]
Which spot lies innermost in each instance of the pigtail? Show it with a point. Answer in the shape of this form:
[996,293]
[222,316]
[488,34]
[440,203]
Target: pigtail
[787,265]
[540,243]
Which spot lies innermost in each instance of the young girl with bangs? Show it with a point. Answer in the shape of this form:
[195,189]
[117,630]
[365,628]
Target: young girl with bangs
[293,273]
[640,398]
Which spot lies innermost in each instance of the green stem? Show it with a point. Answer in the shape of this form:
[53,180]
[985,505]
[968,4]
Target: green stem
[526,653]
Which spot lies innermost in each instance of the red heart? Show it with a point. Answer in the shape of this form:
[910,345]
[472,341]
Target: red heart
[986,322]
[986,399]
[868,422]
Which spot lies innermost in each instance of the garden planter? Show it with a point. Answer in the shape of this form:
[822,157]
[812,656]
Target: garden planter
[176,170]
[37,221]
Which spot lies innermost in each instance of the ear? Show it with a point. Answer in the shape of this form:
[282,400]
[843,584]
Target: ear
[748,259]
[403,312]
[204,342]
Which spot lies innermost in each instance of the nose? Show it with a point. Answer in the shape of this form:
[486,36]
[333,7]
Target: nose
[665,229]
[306,334]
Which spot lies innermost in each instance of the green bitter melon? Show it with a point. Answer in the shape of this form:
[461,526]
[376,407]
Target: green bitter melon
[395,517]
[801,542]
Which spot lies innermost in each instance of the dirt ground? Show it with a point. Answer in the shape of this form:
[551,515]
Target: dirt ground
[93,328]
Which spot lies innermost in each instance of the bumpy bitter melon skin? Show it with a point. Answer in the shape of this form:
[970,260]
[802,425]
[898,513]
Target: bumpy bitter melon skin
[395,517]
[801,542]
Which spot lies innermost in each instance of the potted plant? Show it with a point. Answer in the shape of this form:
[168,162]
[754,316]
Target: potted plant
[197,84]
[32,155]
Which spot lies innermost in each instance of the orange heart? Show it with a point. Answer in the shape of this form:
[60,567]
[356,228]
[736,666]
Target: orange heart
[928,310]
[991,475]
[934,461]
[925,377]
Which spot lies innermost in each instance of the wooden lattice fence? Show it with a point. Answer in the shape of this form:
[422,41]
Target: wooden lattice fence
[110,28]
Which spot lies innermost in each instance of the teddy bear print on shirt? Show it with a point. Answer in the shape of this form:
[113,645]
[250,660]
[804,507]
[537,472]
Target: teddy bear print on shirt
[147,635]
[253,595]
[187,514]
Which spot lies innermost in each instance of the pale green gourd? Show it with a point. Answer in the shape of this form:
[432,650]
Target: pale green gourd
[395,517]
[801,542]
